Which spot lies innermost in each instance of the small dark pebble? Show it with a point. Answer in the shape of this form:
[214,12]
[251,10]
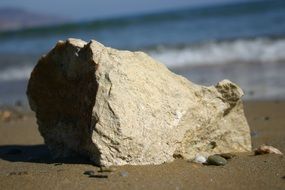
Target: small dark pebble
[216,160]
[14,151]
[283,177]
[266,118]
[89,172]
[98,176]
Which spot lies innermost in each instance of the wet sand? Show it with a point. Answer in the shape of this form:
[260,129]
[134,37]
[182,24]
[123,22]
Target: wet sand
[25,162]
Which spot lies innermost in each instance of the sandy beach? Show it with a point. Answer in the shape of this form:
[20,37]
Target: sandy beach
[201,40]
[25,162]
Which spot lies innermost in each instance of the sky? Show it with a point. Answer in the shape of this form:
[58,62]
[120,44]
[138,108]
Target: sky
[92,9]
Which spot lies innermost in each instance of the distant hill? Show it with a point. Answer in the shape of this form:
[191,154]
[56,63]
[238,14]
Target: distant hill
[13,19]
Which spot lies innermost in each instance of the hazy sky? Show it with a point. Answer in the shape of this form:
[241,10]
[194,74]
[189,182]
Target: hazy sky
[90,9]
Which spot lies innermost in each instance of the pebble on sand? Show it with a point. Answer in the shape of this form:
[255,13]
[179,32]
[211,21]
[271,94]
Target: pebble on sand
[200,159]
[264,149]
[216,160]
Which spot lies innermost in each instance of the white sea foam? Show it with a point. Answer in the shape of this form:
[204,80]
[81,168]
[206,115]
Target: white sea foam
[242,50]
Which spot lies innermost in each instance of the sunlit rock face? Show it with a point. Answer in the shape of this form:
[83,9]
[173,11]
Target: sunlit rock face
[121,107]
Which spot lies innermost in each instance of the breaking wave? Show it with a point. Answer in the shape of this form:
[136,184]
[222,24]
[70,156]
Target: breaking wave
[240,50]
[223,52]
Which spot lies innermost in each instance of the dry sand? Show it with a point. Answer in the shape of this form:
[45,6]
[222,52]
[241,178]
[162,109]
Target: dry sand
[25,162]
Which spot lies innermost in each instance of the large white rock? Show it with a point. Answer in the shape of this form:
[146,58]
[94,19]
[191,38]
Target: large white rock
[121,107]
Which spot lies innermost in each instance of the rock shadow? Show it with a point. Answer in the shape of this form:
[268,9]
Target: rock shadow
[36,154]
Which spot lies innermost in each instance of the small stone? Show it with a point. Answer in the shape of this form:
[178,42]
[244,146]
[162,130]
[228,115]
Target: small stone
[200,159]
[89,172]
[216,160]
[266,118]
[264,149]
[124,174]
[227,156]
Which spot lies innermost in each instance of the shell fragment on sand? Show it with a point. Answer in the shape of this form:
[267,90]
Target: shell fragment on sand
[121,107]
[200,159]
[265,149]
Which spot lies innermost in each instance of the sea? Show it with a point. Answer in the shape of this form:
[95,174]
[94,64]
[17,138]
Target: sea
[243,42]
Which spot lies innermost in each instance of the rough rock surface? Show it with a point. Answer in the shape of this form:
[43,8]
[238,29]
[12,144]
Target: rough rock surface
[121,107]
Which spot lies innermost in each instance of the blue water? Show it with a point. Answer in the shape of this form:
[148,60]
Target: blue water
[247,32]
[178,28]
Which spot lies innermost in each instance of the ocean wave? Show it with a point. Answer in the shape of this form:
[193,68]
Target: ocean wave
[239,50]
[259,50]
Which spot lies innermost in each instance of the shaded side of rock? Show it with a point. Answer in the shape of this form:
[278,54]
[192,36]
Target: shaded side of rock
[62,91]
[120,107]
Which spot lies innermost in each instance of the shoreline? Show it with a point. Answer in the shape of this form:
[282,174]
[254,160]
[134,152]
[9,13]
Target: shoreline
[259,81]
